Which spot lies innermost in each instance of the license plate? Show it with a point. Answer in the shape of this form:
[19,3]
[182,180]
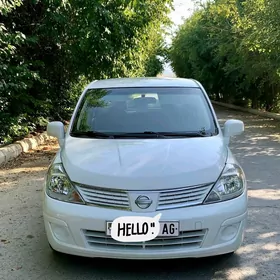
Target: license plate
[167,229]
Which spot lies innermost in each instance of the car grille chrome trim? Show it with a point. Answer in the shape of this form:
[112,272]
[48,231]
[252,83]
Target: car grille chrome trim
[184,197]
[168,199]
[104,197]
[186,239]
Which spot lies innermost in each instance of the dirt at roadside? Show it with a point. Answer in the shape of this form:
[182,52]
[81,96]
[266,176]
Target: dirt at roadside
[21,182]
[48,149]
[12,172]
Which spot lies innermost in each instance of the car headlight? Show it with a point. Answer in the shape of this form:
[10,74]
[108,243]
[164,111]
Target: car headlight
[58,185]
[231,184]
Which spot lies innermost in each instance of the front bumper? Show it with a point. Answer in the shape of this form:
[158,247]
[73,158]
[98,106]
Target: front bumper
[206,230]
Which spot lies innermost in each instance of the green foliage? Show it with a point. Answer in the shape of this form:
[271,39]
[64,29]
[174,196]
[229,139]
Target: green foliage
[50,49]
[231,47]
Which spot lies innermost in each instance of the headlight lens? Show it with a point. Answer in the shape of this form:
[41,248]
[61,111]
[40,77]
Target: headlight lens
[58,185]
[230,185]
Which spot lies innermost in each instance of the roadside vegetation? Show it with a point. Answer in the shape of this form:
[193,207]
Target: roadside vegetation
[50,49]
[232,47]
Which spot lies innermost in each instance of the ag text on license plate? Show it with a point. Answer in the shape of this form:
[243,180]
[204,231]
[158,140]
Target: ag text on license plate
[167,229]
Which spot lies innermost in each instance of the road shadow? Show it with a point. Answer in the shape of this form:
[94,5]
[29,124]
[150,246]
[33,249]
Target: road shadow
[204,268]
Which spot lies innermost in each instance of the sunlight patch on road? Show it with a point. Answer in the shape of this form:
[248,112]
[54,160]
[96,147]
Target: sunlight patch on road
[265,194]
[241,273]
[259,138]
[268,235]
[269,251]
[277,136]
[271,247]
[246,249]
[251,151]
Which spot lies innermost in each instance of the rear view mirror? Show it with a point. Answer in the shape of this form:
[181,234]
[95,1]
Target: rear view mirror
[56,129]
[232,128]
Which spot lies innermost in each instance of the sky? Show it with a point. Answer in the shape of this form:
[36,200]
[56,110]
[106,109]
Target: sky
[183,9]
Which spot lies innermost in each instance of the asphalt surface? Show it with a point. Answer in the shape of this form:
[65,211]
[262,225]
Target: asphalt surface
[25,254]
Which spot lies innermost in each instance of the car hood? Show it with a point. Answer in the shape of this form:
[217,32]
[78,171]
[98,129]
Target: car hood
[144,164]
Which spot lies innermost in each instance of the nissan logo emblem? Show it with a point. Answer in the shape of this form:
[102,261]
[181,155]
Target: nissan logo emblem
[143,201]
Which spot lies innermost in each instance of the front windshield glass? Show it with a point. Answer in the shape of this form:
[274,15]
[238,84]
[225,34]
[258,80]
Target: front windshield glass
[136,110]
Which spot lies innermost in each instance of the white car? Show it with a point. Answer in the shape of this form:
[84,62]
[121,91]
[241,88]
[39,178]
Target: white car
[140,147]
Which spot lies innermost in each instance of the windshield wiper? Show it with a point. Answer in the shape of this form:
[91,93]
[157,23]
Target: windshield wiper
[91,134]
[186,134]
[165,134]
[141,134]
[153,134]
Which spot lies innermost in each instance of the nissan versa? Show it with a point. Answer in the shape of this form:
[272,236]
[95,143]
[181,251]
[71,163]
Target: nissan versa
[141,147]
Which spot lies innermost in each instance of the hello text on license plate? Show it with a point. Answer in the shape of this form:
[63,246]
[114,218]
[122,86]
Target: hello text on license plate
[167,229]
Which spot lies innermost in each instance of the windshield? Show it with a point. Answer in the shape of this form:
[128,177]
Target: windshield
[137,110]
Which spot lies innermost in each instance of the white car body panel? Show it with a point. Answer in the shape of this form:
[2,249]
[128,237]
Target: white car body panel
[145,165]
[74,218]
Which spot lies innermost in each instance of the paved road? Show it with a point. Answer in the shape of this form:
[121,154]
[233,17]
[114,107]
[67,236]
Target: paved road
[25,255]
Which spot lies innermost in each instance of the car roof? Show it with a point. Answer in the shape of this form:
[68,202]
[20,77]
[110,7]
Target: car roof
[143,82]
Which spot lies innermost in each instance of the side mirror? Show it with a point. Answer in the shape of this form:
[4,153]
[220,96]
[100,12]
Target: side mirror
[232,128]
[56,129]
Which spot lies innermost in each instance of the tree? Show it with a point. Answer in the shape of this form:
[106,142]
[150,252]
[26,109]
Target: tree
[228,45]
[48,45]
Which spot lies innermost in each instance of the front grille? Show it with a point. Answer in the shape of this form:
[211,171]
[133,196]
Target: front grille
[104,197]
[168,199]
[186,239]
[183,197]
